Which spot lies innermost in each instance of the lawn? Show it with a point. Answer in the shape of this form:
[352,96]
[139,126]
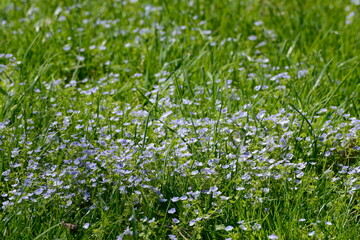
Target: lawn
[176,119]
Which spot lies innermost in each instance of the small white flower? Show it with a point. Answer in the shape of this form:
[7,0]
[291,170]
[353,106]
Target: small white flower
[256,226]
[172,210]
[273,236]
[311,233]
[172,237]
[252,37]
[80,58]
[229,228]
[86,225]
[175,199]
[102,48]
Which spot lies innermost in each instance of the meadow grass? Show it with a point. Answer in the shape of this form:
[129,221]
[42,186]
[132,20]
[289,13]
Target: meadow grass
[131,119]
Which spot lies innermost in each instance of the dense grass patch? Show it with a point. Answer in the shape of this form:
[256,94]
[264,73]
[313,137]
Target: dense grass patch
[179,119]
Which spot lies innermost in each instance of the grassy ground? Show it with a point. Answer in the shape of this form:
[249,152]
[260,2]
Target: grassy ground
[179,119]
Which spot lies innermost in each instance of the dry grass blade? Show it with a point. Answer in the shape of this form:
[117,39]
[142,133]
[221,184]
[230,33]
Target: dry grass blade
[73,227]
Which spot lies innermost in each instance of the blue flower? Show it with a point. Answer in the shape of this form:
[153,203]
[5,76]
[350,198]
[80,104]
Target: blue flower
[172,210]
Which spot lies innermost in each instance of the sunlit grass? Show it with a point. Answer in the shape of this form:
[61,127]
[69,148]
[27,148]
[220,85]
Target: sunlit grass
[179,119]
